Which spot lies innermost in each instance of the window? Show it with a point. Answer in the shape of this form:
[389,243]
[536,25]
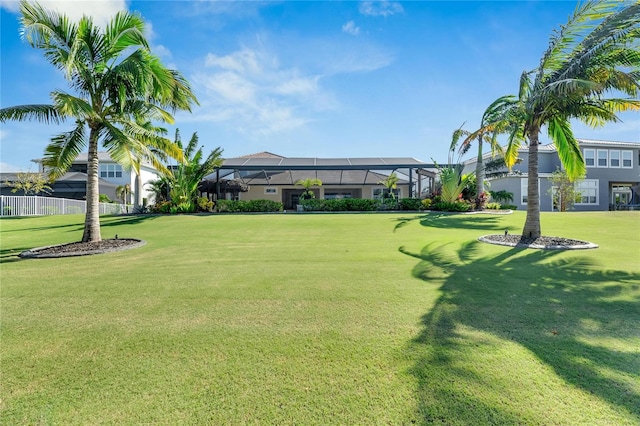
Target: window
[110,170]
[271,190]
[614,158]
[589,190]
[590,157]
[524,190]
[627,161]
[603,157]
[384,193]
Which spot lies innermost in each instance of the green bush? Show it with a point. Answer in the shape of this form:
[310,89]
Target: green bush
[242,206]
[385,204]
[508,207]
[205,205]
[456,206]
[340,205]
[410,204]
[493,206]
[426,203]
[360,204]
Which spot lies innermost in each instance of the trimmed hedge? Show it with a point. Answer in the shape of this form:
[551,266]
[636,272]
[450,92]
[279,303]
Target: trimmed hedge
[242,206]
[360,204]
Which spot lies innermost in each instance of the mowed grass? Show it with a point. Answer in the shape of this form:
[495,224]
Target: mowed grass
[322,319]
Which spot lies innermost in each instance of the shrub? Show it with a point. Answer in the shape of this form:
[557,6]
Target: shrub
[238,206]
[480,201]
[456,206]
[360,204]
[410,204]
[508,207]
[388,204]
[341,205]
[205,205]
[426,203]
[493,206]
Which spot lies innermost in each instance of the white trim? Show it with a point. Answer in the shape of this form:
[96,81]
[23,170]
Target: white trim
[611,159]
[622,155]
[589,188]
[606,159]
[592,157]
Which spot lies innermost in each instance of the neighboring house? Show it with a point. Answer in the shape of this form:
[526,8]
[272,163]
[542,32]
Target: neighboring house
[612,180]
[273,177]
[111,175]
[72,185]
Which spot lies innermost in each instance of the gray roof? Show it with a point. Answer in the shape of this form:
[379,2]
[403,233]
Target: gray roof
[327,177]
[300,163]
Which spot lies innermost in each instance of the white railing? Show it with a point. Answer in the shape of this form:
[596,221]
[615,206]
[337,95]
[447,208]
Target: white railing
[40,206]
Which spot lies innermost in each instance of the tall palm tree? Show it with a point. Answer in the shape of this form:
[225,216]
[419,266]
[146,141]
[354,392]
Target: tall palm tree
[492,124]
[589,62]
[118,84]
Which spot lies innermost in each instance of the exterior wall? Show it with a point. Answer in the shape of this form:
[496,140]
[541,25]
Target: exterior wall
[147,174]
[257,192]
[608,177]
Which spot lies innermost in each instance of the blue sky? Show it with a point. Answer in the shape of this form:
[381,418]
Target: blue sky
[314,79]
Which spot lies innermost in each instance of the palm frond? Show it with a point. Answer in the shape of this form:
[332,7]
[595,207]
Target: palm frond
[42,113]
[567,147]
[63,150]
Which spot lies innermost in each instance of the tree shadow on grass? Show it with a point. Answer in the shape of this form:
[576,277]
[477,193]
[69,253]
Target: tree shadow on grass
[456,221]
[557,307]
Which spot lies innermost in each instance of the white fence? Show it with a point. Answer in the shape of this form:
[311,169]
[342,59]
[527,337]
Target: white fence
[39,206]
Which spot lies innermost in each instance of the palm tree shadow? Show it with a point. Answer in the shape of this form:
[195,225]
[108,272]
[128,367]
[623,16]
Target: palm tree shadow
[557,308]
[444,220]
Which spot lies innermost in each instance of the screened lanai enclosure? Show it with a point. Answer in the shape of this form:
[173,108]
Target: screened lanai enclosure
[270,176]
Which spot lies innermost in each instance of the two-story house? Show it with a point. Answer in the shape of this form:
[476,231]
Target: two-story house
[612,180]
[111,175]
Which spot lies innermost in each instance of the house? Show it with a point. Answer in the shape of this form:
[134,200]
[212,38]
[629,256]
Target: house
[111,175]
[612,180]
[273,177]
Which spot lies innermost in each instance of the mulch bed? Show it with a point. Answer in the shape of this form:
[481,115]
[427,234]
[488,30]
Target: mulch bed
[83,249]
[542,242]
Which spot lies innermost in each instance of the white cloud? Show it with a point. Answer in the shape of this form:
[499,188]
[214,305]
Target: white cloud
[10,5]
[100,10]
[10,168]
[380,8]
[351,28]
[251,91]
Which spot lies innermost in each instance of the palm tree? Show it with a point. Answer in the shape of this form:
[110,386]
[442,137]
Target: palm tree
[493,123]
[184,180]
[123,192]
[391,184]
[118,84]
[594,56]
[307,184]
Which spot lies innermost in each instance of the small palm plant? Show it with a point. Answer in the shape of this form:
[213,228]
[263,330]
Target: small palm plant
[123,192]
[307,184]
[391,184]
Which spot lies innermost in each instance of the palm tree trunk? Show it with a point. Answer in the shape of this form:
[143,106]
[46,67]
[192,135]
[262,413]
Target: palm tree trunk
[479,176]
[138,191]
[92,218]
[532,223]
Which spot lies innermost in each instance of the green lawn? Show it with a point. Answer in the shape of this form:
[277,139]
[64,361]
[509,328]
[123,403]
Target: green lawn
[322,319]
